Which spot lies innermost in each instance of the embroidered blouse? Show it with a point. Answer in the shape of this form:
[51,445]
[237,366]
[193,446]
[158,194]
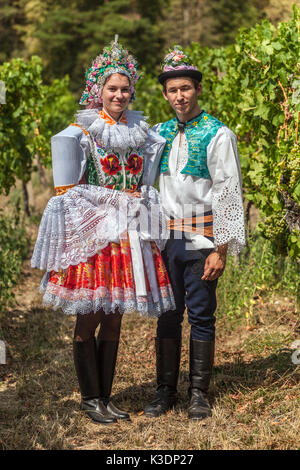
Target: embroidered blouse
[98,150]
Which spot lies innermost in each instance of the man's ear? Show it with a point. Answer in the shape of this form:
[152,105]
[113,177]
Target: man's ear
[164,95]
[199,89]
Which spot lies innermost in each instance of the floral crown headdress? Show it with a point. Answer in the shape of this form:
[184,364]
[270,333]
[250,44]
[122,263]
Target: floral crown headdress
[176,63]
[114,59]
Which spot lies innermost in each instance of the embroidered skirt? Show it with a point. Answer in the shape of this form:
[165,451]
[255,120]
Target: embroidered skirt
[106,281]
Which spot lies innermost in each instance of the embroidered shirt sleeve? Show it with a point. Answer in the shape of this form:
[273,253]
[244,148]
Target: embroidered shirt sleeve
[227,201]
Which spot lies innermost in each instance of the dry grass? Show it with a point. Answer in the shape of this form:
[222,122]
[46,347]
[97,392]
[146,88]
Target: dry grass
[255,389]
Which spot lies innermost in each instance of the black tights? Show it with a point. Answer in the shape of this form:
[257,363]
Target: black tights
[86,325]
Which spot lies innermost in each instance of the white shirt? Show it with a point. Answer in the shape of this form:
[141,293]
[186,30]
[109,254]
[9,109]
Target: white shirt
[186,195]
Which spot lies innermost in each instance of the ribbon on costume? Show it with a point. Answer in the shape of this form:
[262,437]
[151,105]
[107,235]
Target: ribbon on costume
[199,225]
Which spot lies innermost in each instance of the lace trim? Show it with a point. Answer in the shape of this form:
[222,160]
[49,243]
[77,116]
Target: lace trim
[117,136]
[183,154]
[84,301]
[85,219]
[228,213]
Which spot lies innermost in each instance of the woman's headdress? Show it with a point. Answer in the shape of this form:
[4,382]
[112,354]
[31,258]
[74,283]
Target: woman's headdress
[114,59]
[177,64]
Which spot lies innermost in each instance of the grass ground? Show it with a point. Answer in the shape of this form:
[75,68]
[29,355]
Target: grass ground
[255,389]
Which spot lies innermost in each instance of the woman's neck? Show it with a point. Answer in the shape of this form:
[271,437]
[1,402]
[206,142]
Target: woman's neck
[115,116]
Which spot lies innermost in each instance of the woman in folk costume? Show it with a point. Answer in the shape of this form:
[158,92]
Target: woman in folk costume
[102,259]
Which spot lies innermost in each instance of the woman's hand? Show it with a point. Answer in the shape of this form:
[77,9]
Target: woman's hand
[133,194]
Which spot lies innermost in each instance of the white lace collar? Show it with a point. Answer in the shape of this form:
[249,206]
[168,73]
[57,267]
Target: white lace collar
[115,135]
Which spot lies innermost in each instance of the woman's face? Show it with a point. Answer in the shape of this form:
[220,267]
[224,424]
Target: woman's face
[116,94]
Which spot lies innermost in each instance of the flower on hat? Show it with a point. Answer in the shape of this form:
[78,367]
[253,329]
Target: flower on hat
[176,58]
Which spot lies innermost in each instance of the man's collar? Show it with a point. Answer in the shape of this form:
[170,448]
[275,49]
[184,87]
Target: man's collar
[192,122]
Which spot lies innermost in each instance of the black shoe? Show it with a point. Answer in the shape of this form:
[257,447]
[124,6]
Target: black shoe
[199,405]
[107,352]
[97,411]
[85,361]
[116,412]
[201,364]
[164,401]
[167,368]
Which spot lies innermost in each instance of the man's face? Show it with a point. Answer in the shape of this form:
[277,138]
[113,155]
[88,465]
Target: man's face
[182,94]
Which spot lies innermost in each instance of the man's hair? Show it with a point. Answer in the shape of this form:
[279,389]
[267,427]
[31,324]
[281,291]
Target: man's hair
[195,82]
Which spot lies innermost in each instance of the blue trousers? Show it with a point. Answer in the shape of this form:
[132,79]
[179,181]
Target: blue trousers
[185,269]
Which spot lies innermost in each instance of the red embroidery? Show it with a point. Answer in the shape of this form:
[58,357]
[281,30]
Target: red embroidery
[110,268]
[111,164]
[134,164]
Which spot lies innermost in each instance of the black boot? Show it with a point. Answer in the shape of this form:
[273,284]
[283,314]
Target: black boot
[201,364]
[167,370]
[107,356]
[85,361]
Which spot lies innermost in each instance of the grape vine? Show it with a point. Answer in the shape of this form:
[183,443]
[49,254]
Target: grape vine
[32,113]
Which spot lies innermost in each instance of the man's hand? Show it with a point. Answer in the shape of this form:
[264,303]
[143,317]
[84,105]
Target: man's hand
[215,264]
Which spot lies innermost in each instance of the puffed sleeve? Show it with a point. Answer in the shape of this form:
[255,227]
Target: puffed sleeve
[152,151]
[70,151]
[227,200]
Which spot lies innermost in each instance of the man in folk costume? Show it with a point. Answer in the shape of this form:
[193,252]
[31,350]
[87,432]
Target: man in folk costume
[201,191]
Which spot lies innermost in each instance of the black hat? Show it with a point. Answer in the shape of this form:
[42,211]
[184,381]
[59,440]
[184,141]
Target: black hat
[178,64]
[180,72]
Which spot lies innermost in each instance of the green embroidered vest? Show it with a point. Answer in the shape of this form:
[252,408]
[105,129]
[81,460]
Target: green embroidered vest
[199,132]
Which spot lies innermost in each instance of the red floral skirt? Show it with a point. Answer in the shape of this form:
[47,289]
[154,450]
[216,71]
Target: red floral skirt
[106,281]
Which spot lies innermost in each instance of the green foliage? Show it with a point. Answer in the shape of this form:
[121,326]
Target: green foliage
[256,274]
[57,112]
[253,86]
[68,36]
[10,14]
[14,246]
[32,113]
[149,99]
[228,16]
